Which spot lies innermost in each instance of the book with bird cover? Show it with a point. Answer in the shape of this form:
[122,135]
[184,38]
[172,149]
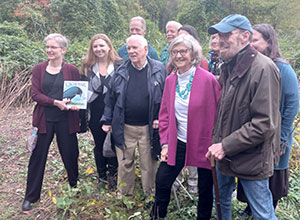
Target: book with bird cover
[76,92]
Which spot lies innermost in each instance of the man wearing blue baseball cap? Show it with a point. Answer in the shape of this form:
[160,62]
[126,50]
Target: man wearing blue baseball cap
[248,119]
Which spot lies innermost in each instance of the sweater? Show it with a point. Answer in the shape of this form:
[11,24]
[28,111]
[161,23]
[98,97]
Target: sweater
[289,107]
[202,108]
[70,72]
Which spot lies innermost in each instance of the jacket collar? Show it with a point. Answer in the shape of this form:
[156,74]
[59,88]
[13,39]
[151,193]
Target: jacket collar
[145,64]
[244,60]
[95,68]
[123,69]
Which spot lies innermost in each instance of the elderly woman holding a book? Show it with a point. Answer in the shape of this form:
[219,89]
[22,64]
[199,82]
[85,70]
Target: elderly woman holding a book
[51,116]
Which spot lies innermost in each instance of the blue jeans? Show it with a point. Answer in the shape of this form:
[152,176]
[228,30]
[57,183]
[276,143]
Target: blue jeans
[256,191]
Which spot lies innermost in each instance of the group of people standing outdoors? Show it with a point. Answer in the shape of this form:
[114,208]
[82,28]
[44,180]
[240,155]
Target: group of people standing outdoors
[237,108]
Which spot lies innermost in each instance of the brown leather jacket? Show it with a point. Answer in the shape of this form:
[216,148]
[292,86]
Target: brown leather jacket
[248,118]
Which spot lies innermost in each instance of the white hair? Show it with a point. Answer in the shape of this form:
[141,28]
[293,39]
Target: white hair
[138,38]
[139,18]
[60,39]
[177,24]
[190,42]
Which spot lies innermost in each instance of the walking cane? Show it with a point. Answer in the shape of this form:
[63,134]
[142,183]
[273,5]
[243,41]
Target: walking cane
[215,181]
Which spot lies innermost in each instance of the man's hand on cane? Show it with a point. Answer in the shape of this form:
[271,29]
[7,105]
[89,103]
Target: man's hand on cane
[215,152]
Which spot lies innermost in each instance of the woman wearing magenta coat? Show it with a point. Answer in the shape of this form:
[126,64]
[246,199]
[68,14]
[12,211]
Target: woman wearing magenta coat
[186,120]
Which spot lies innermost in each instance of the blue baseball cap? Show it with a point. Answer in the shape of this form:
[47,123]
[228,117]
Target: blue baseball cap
[230,23]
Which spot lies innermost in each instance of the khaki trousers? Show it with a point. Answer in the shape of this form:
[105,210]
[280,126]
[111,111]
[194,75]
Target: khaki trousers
[135,137]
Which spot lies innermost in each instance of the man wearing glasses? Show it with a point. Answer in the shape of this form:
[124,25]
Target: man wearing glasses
[247,124]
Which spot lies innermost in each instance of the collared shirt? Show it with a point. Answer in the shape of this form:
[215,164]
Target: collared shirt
[145,64]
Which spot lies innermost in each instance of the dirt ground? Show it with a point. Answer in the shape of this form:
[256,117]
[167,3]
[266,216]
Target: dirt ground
[15,124]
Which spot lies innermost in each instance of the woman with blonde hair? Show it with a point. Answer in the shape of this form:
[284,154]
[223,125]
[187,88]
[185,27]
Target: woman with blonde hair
[98,67]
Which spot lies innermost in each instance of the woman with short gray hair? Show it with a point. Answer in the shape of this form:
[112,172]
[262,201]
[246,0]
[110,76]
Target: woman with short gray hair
[191,43]
[190,30]
[186,121]
[61,40]
[51,116]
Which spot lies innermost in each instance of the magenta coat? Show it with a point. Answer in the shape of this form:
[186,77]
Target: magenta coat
[204,97]
[70,72]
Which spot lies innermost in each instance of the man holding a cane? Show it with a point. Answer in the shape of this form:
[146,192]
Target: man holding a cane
[247,126]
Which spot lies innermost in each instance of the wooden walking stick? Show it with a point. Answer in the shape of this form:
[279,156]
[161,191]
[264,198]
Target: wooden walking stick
[215,181]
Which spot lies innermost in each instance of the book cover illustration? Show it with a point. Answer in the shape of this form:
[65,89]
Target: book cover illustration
[76,91]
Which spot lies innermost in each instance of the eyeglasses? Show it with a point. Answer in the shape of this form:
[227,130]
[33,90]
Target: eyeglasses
[227,35]
[182,52]
[51,47]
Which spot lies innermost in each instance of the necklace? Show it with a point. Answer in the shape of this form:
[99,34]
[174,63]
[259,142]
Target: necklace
[185,93]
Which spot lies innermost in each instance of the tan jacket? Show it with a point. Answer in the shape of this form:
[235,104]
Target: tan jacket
[248,118]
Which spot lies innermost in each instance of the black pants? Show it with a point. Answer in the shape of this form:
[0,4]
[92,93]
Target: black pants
[68,149]
[103,164]
[166,176]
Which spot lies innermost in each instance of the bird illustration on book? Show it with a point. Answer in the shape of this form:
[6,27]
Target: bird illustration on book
[71,92]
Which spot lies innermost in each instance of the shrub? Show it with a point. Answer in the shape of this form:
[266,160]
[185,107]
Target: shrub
[290,49]
[12,28]
[18,53]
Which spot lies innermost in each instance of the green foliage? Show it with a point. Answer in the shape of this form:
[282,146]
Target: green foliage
[82,19]
[155,38]
[193,13]
[281,14]
[297,64]
[290,48]
[129,9]
[34,21]
[16,50]
[112,22]
[201,14]
[168,12]
[12,29]
[76,51]
[21,47]
[88,200]
[287,16]
[7,8]
[290,208]
[156,9]
[76,18]
[20,51]
[258,11]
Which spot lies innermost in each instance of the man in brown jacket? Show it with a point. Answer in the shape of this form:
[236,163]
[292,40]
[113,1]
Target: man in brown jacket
[247,124]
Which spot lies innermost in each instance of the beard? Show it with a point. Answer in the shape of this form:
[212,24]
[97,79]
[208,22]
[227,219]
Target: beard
[229,49]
